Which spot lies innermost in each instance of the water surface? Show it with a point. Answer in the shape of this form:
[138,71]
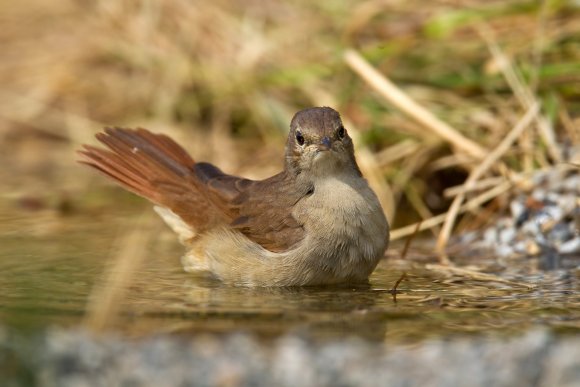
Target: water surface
[50,265]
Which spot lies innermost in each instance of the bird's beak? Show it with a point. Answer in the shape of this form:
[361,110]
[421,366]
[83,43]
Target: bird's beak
[325,144]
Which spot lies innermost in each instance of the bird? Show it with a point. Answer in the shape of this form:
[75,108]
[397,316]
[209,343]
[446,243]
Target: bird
[317,222]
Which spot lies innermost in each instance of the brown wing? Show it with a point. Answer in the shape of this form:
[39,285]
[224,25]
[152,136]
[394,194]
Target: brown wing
[157,168]
[261,210]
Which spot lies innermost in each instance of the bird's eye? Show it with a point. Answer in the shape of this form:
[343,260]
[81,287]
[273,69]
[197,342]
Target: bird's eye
[341,132]
[299,138]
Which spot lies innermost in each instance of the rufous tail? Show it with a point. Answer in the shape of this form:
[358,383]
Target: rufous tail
[154,167]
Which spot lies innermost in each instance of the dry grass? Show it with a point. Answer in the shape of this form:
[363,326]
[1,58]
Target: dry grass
[431,90]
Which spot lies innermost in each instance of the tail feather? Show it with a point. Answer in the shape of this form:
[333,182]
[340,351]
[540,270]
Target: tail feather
[156,150]
[157,168]
[114,166]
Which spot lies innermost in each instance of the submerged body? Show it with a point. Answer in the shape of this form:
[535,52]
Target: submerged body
[317,222]
[343,242]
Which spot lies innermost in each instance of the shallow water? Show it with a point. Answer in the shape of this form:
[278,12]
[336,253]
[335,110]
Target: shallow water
[50,264]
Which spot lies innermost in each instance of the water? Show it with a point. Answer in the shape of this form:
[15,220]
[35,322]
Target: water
[50,265]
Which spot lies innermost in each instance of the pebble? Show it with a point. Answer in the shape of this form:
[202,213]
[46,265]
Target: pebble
[76,358]
[571,246]
[543,217]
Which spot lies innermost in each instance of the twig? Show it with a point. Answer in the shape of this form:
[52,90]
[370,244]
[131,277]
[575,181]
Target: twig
[402,101]
[395,152]
[451,160]
[407,170]
[569,125]
[495,155]
[409,240]
[470,205]
[393,291]
[419,205]
[476,275]
[477,186]
[372,172]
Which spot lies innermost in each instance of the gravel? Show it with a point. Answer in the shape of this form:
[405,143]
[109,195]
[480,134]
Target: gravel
[543,220]
[68,358]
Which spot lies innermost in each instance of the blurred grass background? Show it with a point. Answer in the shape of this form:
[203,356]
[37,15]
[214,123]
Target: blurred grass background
[225,77]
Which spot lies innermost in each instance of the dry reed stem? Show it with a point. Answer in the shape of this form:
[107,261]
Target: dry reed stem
[403,102]
[373,174]
[477,186]
[523,93]
[451,161]
[408,169]
[526,145]
[419,205]
[485,165]
[438,219]
[569,126]
[481,217]
[397,151]
[476,275]
[106,297]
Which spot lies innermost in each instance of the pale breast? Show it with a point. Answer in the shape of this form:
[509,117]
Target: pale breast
[345,224]
[346,235]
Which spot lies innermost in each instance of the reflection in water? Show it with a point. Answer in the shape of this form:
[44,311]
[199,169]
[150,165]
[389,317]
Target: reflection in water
[46,279]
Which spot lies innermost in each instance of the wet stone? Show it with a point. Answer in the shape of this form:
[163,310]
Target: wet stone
[543,219]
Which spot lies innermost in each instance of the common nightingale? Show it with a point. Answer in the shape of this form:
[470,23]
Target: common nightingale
[315,223]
